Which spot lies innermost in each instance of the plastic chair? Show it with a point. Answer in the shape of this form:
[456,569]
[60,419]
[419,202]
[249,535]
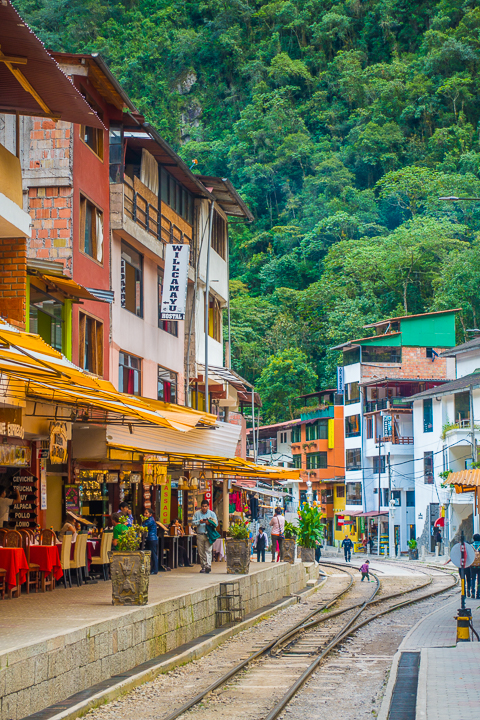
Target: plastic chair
[65,557]
[33,575]
[48,537]
[79,556]
[105,547]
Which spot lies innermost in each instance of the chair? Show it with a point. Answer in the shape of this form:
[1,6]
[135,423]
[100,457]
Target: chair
[79,556]
[3,532]
[12,539]
[33,575]
[102,559]
[65,557]
[48,537]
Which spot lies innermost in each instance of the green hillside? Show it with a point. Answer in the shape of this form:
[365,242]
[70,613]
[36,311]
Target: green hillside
[340,123]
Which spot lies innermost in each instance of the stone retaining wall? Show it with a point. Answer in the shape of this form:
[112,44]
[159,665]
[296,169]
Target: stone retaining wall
[34,677]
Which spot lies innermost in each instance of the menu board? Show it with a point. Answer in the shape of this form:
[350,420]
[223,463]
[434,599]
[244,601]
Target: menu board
[24,514]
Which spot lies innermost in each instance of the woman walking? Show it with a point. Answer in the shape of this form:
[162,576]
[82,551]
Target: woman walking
[277,523]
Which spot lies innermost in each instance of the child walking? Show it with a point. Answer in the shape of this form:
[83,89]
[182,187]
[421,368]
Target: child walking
[364,570]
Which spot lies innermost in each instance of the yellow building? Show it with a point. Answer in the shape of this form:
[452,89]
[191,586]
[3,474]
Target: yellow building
[343,525]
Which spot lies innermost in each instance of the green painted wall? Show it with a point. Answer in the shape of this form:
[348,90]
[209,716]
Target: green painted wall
[429,331]
[384,340]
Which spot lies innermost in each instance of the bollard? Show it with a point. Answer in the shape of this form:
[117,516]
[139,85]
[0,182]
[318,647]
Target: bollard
[463,619]
[422,553]
[436,550]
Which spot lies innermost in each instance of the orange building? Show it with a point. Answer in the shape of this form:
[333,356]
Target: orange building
[318,450]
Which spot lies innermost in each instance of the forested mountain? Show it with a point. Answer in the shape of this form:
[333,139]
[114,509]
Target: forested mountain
[341,123]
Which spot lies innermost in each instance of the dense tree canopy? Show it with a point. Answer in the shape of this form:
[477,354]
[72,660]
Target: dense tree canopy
[341,123]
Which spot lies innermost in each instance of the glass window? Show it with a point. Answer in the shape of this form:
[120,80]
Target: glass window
[370,426]
[46,317]
[410,498]
[384,497]
[219,235]
[378,462]
[352,426]
[340,490]
[167,385]
[316,461]
[374,354]
[354,493]
[214,319]
[115,153]
[462,407]
[90,344]
[91,230]
[296,434]
[170,326]
[397,497]
[352,393]
[428,467]
[327,496]
[297,461]
[427,415]
[354,459]
[93,137]
[130,374]
[131,280]
[176,196]
[351,356]
[317,430]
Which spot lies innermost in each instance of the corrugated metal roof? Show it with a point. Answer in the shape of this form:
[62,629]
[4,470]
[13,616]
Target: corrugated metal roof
[107,296]
[459,349]
[409,317]
[42,74]
[454,386]
[226,196]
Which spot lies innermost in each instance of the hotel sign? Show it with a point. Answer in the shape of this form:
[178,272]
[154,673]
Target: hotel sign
[175,278]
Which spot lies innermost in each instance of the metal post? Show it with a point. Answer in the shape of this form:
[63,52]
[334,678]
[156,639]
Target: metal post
[226,518]
[253,427]
[207,294]
[464,616]
[379,490]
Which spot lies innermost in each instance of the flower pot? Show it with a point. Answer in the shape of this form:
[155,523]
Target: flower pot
[289,550]
[238,556]
[307,554]
[130,577]
[413,554]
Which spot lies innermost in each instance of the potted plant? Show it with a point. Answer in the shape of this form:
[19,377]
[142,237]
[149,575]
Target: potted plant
[238,548]
[289,542]
[130,568]
[310,530]
[412,549]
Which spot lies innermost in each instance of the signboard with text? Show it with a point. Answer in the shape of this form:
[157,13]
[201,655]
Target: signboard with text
[175,278]
[165,503]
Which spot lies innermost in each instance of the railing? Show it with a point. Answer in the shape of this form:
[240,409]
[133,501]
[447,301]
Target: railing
[396,440]
[152,221]
[374,405]
[392,403]
[327,412]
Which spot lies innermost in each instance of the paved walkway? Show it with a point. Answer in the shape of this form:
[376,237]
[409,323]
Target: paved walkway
[45,615]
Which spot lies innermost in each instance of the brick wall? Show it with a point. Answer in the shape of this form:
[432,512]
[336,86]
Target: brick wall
[414,364]
[13,280]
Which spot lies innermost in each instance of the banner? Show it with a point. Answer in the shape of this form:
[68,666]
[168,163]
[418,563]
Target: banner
[58,443]
[165,502]
[340,380]
[209,494]
[175,278]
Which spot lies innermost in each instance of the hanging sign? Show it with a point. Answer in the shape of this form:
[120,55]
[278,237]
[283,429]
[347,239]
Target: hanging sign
[340,380]
[165,499]
[43,484]
[209,494]
[387,425]
[175,278]
[58,443]
[72,498]
[24,513]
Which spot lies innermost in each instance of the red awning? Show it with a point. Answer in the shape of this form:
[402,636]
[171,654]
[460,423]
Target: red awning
[440,522]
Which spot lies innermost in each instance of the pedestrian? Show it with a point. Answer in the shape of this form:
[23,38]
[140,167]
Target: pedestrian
[318,550]
[119,527]
[438,540]
[152,540]
[277,523]
[6,503]
[126,511]
[370,544]
[201,519]
[260,544]
[475,568]
[364,570]
[347,545]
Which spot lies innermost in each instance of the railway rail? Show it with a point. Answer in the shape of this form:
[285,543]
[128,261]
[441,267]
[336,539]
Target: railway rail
[307,638]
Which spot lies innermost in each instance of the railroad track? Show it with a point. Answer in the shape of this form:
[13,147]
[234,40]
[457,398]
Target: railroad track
[314,636]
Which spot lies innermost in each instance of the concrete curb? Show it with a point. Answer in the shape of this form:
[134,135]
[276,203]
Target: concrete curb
[387,697]
[195,652]
[421,709]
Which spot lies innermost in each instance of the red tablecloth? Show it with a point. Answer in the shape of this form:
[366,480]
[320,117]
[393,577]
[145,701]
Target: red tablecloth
[48,557]
[14,561]
[94,546]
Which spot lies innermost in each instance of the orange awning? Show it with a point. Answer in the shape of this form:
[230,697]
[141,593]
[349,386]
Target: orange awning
[465,480]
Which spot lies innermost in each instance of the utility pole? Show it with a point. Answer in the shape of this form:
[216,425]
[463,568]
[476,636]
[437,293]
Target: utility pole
[379,490]
[207,304]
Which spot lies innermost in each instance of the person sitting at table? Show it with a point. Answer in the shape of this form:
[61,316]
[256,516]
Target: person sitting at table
[6,503]
[152,540]
[126,511]
[68,527]
[119,527]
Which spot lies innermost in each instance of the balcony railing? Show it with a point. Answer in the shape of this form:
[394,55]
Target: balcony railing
[392,403]
[396,440]
[327,412]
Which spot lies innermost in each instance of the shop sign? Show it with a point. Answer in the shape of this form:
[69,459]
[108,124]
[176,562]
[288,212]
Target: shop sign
[165,502]
[15,455]
[112,477]
[361,524]
[340,520]
[190,507]
[43,454]
[175,278]
[12,430]
[340,380]
[72,498]
[387,425]
[135,478]
[58,443]
[147,496]
[154,473]
[24,513]
[43,485]
[209,494]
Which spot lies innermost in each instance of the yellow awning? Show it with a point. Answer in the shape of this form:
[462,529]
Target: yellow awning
[70,287]
[464,480]
[44,374]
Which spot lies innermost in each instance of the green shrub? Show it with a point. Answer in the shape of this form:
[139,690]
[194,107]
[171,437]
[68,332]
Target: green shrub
[291,531]
[239,531]
[310,526]
[131,539]
[412,544]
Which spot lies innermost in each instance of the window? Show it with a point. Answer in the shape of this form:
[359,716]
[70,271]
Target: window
[219,235]
[352,426]
[93,137]
[131,290]
[370,426]
[167,385]
[340,490]
[90,344]
[410,498]
[429,352]
[176,196]
[214,319]
[428,467]
[115,153]
[170,326]
[327,496]
[283,438]
[462,407]
[352,393]
[317,430]
[297,461]
[427,415]
[296,434]
[354,493]
[397,497]
[350,357]
[378,462]
[130,374]
[354,459]
[91,230]
[46,317]
[372,354]
[384,498]
[316,461]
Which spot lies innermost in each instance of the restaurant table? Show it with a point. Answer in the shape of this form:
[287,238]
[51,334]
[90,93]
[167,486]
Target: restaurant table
[91,550]
[186,541]
[14,561]
[171,543]
[48,558]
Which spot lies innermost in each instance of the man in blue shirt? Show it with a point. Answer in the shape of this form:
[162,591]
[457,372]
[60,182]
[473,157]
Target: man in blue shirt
[200,520]
[152,540]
